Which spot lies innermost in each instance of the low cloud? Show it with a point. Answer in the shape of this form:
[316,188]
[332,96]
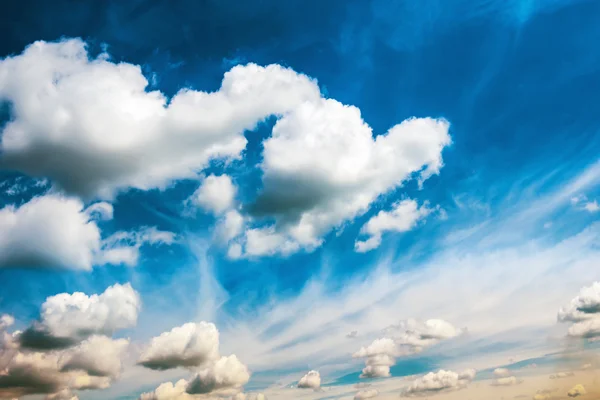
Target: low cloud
[576,391]
[312,380]
[189,345]
[441,381]
[366,394]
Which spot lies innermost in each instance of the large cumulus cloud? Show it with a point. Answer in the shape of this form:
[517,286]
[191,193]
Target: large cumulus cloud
[584,312]
[94,130]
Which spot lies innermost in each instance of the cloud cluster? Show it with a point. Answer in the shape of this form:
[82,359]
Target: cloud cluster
[403,216]
[312,380]
[441,381]
[408,337]
[584,312]
[70,346]
[54,231]
[95,131]
[194,346]
[68,318]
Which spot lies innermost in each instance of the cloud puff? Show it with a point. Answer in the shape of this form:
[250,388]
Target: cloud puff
[169,391]
[67,319]
[379,358]
[53,231]
[366,394]
[322,167]
[97,356]
[584,311]
[95,130]
[403,217]
[189,345]
[501,372]
[64,394]
[577,390]
[507,381]
[312,380]
[224,376]
[216,194]
[47,231]
[441,381]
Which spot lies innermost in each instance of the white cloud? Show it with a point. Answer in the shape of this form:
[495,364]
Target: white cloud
[226,376]
[230,226]
[189,345]
[66,319]
[97,356]
[507,381]
[366,394]
[441,381]
[48,231]
[95,130]
[216,194]
[168,391]
[412,336]
[501,372]
[53,231]
[403,217]
[584,311]
[312,380]
[562,375]
[322,167]
[592,206]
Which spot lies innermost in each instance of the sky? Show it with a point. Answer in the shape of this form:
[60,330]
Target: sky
[232,200]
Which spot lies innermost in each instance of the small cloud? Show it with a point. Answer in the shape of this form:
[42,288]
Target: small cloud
[312,380]
[352,335]
[507,381]
[441,381]
[577,390]
[562,375]
[366,394]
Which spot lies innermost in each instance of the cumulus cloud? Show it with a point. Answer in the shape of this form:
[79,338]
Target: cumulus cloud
[189,345]
[366,394]
[48,231]
[312,380]
[97,356]
[95,130]
[67,319]
[577,390]
[64,394]
[54,231]
[407,337]
[403,217]
[322,167]
[169,391]
[501,372]
[441,381]
[584,312]
[506,381]
[249,396]
[226,375]
[216,194]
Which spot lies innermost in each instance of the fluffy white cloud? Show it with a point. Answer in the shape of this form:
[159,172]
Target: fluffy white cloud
[230,226]
[216,194]
[169,391]
[226,376]
[584,311]
[403,217]
[97,356]
[577,390]
[366,394]
[49,231]
[95,130]
[66,319]
[312,380]
[190,345]
[441,381]
[501,372]
[322,167]
[53,231]
[379,358]
[507,381]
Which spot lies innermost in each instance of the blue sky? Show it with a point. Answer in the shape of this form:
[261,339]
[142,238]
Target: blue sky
[502,232]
